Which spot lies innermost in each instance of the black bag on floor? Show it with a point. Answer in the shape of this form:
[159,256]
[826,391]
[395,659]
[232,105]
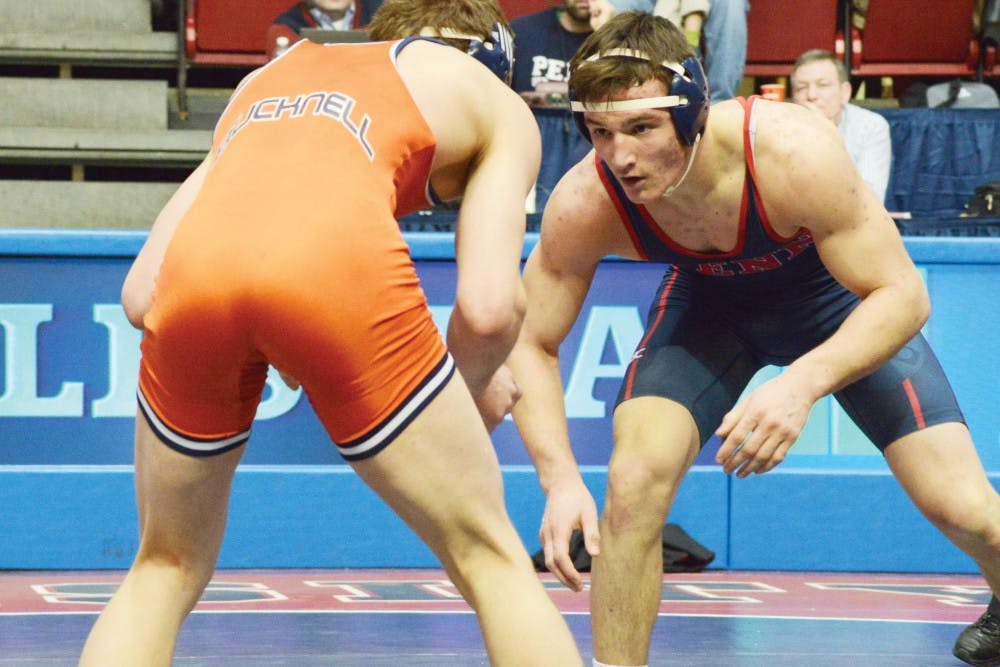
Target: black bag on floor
[984,201]
[681,553]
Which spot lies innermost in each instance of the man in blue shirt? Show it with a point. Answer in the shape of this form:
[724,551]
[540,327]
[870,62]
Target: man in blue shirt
[545,43]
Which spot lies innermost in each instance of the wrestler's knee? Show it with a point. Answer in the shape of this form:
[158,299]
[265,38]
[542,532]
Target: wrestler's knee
[637,497]
[970,512]
[189,573]
[475,550]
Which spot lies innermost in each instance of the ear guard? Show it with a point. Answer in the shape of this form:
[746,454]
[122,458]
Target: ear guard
[495,51]
[687,99]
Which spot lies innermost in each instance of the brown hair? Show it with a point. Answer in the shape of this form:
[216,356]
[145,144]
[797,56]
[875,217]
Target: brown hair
[397,19]
[820,55]
[657,37]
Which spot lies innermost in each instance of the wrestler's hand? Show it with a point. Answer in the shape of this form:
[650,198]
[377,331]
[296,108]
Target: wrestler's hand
[759,431]
[498,398]
[569,507]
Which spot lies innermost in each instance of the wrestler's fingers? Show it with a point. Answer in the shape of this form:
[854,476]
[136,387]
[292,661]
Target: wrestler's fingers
[559,562]
[562,566]
[734,449]
[777,457]
[759,455]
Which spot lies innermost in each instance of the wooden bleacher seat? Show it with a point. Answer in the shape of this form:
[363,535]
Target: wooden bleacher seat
[107,103]
[779,31]
[904,38]
[84,123]
[87,146]
[81,205]
[114,33]
[155,49]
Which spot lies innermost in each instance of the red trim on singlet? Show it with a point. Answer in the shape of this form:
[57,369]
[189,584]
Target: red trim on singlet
[682,250]
[911,395]
[660,310]
[748,156]
[622,213]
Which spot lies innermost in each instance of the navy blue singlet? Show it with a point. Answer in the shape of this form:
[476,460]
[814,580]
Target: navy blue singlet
[718,318]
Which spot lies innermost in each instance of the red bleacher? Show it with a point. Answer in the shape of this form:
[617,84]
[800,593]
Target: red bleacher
[779,31]
[905,38]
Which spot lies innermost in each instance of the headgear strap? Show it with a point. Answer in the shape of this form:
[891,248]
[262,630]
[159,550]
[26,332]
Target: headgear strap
[687,97]
[495,51]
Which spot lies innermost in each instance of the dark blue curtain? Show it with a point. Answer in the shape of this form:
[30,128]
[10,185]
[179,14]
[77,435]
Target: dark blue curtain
[940,156]
[562,147]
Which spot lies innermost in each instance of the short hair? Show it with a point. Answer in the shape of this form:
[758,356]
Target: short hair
[820,55]
[655,36]
[397,19]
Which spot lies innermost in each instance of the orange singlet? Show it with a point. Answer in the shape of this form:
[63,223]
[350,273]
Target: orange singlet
[291,255]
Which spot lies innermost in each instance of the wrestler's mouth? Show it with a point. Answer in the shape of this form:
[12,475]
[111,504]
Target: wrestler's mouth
[631,181]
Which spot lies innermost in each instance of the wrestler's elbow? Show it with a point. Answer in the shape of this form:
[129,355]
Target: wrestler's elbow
[923,308]
[136,304]
[491,317]
[918,304]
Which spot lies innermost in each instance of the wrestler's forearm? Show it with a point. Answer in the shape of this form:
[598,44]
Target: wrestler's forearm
[540,415]
[877,329]
[480,345]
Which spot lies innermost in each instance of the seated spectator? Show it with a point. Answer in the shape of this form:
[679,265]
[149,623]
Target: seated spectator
[327,14]
[723,36]
[819,82]
[545,42]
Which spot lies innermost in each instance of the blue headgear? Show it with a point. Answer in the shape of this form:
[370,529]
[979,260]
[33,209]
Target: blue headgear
[687,98]
[495,51]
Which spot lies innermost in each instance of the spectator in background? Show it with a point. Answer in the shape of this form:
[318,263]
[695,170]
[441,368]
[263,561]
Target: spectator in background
[327,14]
[723,38]
[545,42]
[819,82]
[725,42]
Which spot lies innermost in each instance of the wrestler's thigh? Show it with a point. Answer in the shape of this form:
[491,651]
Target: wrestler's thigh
[441,473]
[908,393]
[941,472]
[182,500]
[691,360]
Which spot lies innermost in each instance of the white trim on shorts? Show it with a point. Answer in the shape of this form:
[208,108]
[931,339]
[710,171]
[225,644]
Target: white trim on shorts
[185,444]
[380,436]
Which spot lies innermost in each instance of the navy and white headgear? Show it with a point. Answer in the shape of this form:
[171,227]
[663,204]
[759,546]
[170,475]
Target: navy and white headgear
[496,51]
[687,97]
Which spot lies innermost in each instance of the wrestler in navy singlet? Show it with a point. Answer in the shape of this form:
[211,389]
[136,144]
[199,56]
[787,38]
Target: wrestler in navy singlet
[718,318]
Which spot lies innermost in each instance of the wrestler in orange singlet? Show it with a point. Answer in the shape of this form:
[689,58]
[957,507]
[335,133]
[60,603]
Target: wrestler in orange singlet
[283,248]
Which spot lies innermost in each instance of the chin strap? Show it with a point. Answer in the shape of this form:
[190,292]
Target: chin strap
[694,149]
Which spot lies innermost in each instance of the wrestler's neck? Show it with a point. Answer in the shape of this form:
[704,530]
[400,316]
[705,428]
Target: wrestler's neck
[701,176]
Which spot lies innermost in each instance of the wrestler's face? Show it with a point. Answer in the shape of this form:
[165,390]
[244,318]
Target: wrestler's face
[641,146]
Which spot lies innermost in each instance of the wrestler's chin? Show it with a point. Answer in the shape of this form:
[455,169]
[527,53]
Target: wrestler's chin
[646,195]
[639,190]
